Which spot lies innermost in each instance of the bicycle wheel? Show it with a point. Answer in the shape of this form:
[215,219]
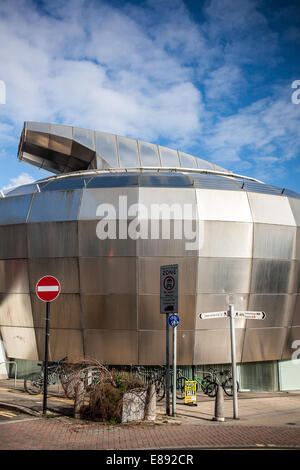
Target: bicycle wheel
[160,389]
[228,387]
[204,383]
[180,388]
[33,383]
[211,389]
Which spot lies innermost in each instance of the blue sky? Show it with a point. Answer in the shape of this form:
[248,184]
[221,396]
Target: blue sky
[211,78]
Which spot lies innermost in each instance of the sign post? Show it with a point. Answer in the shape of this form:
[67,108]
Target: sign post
[47,290]
[168,305]
[233,361]
[174,322]
[249,315]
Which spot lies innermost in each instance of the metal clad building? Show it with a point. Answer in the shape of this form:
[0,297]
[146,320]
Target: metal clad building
[248,244]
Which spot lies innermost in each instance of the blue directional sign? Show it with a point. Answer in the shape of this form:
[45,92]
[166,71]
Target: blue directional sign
[173,320]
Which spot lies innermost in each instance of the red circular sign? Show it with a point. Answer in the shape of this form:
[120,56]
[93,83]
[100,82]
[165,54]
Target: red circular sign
[169,283]
[47,289]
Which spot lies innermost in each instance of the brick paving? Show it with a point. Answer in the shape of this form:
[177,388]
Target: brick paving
[60,434]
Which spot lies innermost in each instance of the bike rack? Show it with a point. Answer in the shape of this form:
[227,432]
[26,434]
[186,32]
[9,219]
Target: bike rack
[12,362]
[203,371]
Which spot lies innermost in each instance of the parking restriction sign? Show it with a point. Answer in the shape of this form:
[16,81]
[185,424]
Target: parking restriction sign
[169,289]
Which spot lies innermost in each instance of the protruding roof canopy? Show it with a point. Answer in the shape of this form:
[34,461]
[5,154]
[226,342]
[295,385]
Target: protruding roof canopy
[64,149]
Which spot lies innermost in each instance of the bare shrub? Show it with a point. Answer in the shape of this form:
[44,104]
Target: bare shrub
[106,396]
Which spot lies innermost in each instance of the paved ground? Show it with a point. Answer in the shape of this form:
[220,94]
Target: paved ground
[267,421]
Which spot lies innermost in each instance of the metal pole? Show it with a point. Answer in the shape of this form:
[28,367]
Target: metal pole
[174,370]
[46,357]
[233,360]
[168,366]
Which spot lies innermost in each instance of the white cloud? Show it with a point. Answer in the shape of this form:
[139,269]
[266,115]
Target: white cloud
[97,68]
[149,71]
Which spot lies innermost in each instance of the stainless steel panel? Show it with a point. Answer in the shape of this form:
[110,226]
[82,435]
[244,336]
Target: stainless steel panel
[185,346]
[149,274]
[226,239]
[111,346]
[15,310]
[269,209]
[223,205]
[60,144]
[100,163]
[112,311]
[52,239]
[22,190]
[174,200]
[274,241]
[169,157]
[213,346]
[263,344]
[187,161]
[297,245]
[107,275]
[119,198]
[13,241]
[63,342]
[296,317]
[55,206]
[272,276]
[217,303]
[223,275]
[279,309]
[37,126]
[61,131]
[14,210]
[40,139]
[19,343]
[149,154]
[295,206]
[169,247]
[150,318]
[128,152]
[64,269]
[84,137]
[219,168]
[295,281]
[14,276]
[292,343]
[65,312]
[90,245]
[152,347]
[203,164]
[106,147]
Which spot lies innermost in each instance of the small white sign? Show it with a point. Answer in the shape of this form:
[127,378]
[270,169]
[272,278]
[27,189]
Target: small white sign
[206,316]
[251,315]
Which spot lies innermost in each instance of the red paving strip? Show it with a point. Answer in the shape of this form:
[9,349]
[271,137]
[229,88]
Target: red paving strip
[49,434]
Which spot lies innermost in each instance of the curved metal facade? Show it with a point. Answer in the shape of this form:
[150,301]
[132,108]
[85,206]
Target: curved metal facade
[248,245]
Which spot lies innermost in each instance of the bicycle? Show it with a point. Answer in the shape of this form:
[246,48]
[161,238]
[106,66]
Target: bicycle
[206,384]
[227,383]
[152,376]
[33,382]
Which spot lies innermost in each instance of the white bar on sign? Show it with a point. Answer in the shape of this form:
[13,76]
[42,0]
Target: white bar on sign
[208,315]
[47,288]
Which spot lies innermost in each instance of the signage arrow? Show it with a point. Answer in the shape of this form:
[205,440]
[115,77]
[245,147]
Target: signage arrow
[250,315]
[206,316]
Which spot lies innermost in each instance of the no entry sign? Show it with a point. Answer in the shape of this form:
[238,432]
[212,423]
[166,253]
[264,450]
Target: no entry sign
[47,288]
